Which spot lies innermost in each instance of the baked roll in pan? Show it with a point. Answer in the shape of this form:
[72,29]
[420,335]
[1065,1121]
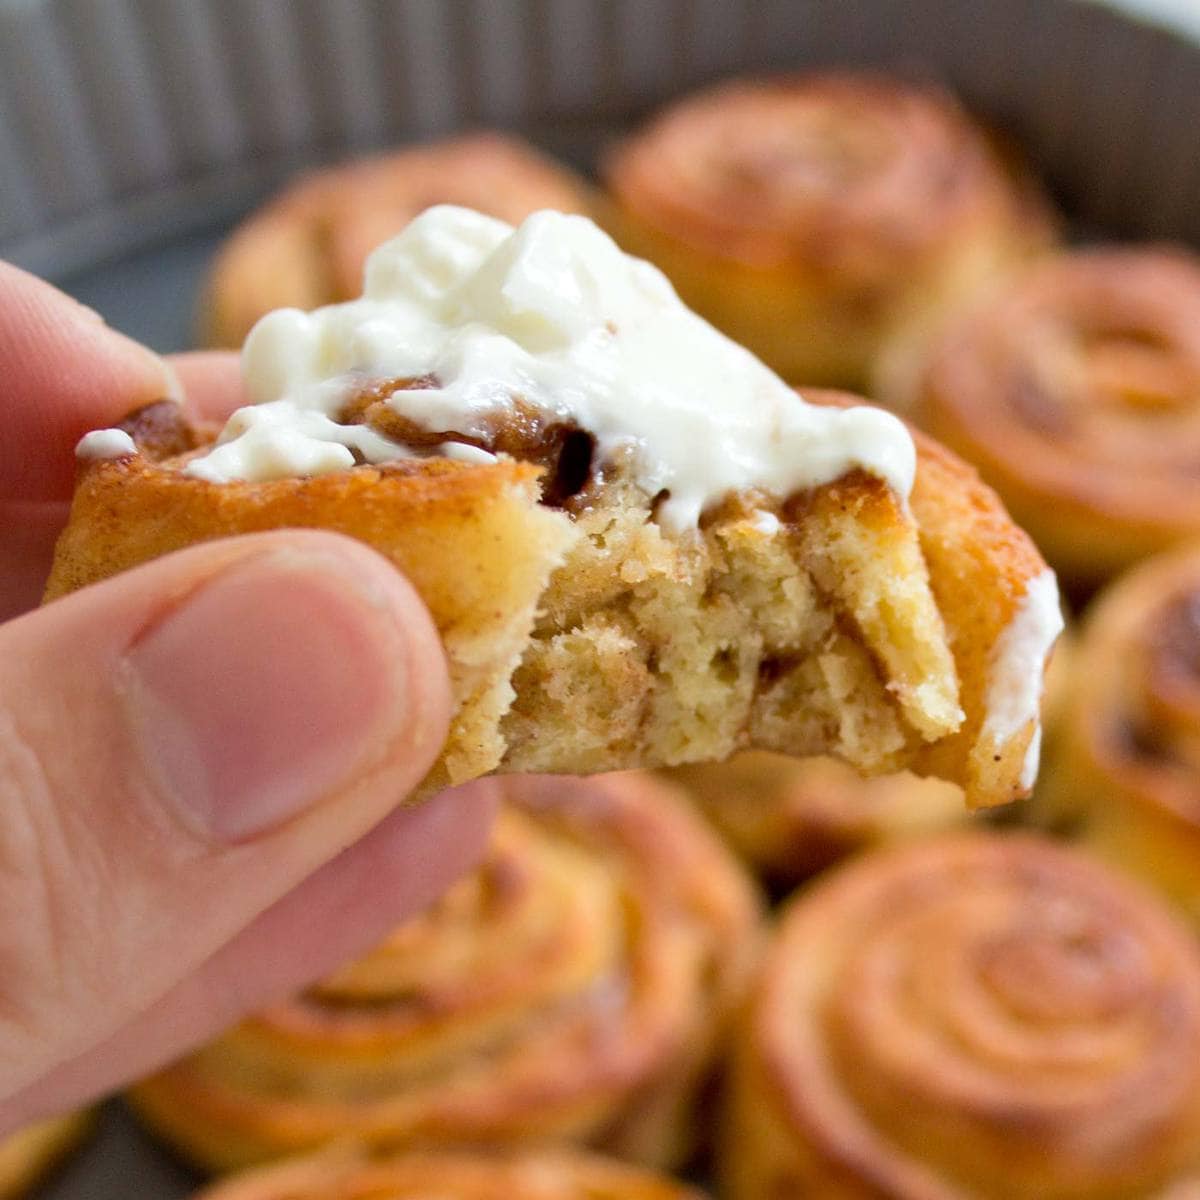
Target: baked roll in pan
[575,988]
[983,1016]
[1124,777]
[307,246]
[828,222]
[1076,392]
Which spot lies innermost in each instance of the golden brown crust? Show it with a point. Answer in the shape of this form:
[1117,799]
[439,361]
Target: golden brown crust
[469,538]
[811,216]
[792,817]
[1125,775]
[592,641]
[1076,391]
[307,246]
[573,989]
[539,1175]
[27,1155]
[980,566]
[979,1016]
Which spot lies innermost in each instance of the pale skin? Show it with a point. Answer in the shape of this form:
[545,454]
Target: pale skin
[199,799]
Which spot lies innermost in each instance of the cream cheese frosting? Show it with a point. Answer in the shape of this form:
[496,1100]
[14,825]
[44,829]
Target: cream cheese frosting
[554,315]
[105,443]
[1014,693]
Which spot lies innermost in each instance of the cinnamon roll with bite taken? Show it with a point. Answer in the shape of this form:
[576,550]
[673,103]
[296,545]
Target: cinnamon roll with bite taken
[574,989]
[639,546]
[979,1016]
[307,246]
[824,219]
[1076,392]
[536,1175]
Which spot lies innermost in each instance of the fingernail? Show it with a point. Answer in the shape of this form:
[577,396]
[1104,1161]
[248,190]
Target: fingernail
[270,687]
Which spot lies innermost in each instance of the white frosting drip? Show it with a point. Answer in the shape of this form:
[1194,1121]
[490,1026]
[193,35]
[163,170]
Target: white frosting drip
[1014,693]
[553,314]
[105,443]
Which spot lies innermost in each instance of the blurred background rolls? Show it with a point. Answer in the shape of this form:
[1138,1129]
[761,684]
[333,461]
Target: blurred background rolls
[575,988]
[1076,392]
[307,246]
[818,218]
[789,818]
[544,1175]
[1124,777]
[978,1015]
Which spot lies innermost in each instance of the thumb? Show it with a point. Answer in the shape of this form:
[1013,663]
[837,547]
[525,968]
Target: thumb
[180,746]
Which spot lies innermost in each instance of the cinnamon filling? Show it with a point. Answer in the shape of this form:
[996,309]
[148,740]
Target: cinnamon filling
[566,451]
[161,429]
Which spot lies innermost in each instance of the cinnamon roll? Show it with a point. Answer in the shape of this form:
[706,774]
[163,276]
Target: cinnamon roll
[1125,775]
[1076,392]
[27,1155]
[817,219]
[573,989]
[308,245]
[640,547]
[543,1175]
[845,626]
[982,1016]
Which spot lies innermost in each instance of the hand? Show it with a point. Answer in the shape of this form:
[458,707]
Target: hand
[200,760]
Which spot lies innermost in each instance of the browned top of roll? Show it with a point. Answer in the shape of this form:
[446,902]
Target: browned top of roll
[544,1175]
[841,171]
[1080,385]
[985,1016]
[307,246]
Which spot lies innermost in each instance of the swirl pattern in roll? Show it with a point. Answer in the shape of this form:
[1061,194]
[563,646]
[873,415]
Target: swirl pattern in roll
[1125,775]
[307,246]
[816,219]
[977,1016]
[792,817]
[537,1175]
[1076,392]
[29,1154]
[573,989]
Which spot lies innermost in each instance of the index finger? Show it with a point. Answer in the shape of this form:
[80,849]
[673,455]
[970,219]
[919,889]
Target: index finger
[211,381]
[62,373]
